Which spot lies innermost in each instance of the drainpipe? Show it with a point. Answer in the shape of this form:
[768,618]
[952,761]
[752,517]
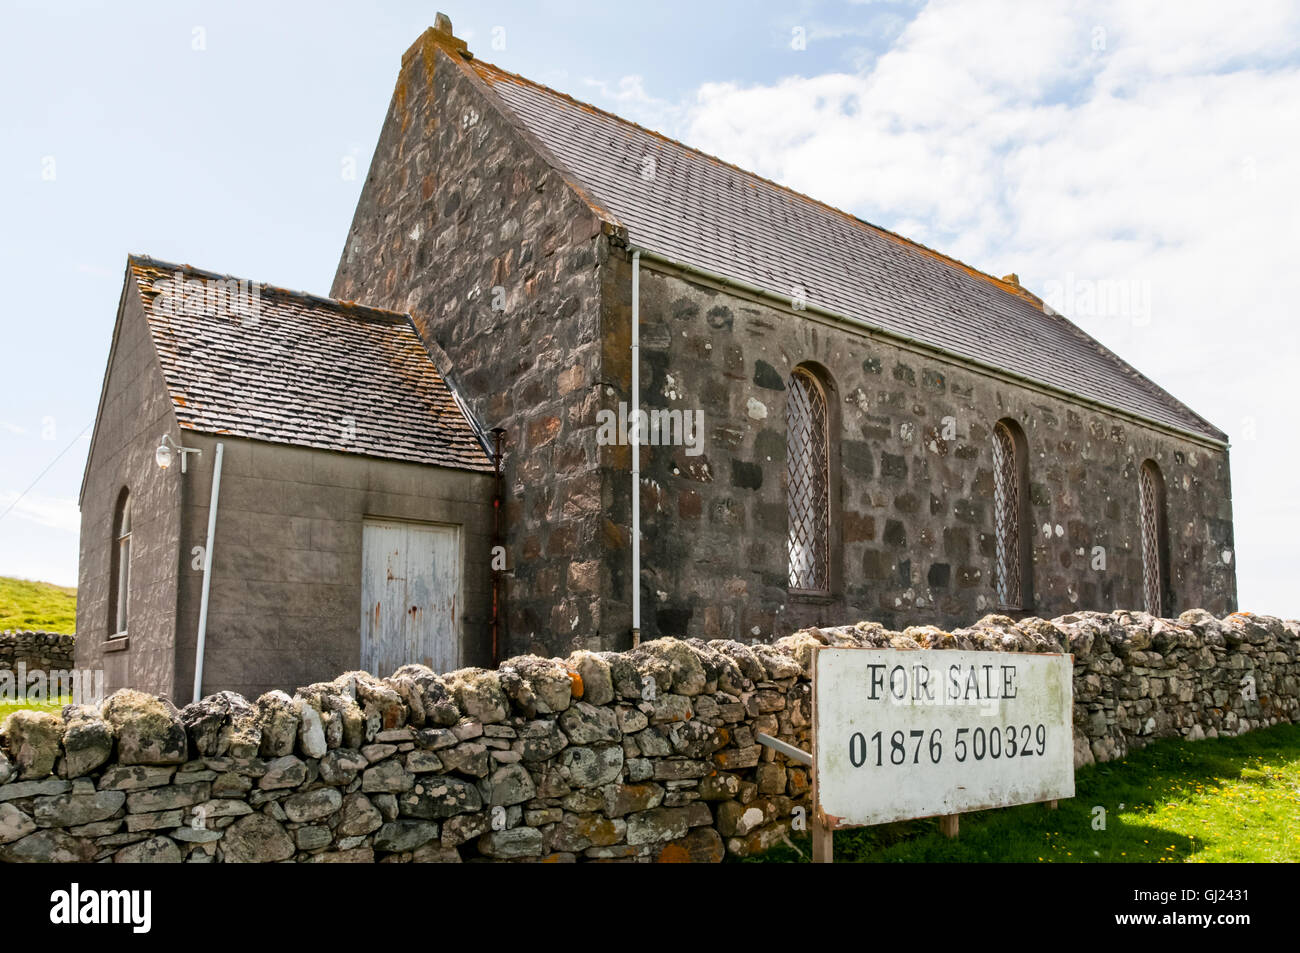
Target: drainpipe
[497,434]
[635,439]
[207,575]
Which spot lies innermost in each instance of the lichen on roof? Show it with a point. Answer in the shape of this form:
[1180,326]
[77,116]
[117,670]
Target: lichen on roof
[252,360]
[698,209]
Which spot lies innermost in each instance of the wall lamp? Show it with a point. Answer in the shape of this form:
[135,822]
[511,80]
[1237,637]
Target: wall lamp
[166,449]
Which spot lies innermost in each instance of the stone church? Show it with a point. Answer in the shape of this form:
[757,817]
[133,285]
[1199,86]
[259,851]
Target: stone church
[719,408]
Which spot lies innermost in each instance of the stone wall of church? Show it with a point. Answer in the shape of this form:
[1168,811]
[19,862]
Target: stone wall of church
[912,539]
[466,226]
[465,223]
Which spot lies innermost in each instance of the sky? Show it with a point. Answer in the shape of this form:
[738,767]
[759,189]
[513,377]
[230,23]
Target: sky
[1137,165]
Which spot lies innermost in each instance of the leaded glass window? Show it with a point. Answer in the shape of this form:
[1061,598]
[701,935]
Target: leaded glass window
[808,484]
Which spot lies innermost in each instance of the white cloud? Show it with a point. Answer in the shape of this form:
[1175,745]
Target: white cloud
[1121,142]
[628,98]
[49,512]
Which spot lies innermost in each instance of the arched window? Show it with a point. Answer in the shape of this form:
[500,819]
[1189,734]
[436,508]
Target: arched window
[1013,572]
[119,593]
[1155,540]
[807,456]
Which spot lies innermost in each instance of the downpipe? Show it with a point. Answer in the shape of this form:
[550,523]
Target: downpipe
[635,440]
[498,434]
[207,575]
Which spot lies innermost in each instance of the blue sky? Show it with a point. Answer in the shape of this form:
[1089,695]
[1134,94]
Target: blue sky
[1143,158]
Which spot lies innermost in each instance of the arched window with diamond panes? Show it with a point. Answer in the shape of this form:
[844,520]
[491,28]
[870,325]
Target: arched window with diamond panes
[1155,544]
[808,483]
[1013,567]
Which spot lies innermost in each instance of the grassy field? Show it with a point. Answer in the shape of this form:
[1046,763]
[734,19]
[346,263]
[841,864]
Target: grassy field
[37,605]
[8,708]
[1219,800]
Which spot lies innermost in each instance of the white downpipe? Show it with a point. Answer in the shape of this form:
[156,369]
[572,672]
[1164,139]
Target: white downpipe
[635,440]
[207,575]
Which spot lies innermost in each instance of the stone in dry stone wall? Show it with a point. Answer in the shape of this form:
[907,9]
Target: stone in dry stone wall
[647,755]
[44,651]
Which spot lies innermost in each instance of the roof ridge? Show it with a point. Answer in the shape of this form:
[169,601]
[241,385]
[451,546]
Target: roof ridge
[854,220]
[344,306]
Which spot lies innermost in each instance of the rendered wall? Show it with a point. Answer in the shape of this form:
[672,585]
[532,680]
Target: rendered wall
[135,413]
[285,602]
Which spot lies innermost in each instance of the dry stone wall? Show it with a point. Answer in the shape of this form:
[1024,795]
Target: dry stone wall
[46,651]
[646,755]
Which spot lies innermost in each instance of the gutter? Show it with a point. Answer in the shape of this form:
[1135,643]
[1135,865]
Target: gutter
[951,356]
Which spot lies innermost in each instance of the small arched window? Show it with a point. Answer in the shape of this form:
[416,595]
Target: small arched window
[1013,571]
[1155,540]
[119,593]
[807,456]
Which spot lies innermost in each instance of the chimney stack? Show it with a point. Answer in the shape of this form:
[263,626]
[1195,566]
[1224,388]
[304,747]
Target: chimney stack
[440,35]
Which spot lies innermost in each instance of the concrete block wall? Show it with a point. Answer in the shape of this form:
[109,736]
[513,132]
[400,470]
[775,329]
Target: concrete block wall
[136,411]
[285,601]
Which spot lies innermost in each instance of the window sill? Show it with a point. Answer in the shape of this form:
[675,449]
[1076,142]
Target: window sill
[810,597]
[117,643]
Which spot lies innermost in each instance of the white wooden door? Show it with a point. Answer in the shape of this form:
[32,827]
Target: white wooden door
[410,596]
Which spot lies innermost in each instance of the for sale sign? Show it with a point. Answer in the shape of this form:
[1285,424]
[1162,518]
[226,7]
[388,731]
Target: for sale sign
[907,734]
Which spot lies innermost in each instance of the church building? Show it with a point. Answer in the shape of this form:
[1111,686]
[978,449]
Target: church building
[588,385]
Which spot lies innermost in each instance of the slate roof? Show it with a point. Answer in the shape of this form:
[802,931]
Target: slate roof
[290,367]
[700,211]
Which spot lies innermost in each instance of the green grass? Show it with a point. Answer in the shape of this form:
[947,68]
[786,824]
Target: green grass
[1219,800]
[37,605]
[54,707]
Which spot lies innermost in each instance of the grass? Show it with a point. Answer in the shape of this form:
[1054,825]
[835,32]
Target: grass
[1231,800]
[8,708]
[37,605]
